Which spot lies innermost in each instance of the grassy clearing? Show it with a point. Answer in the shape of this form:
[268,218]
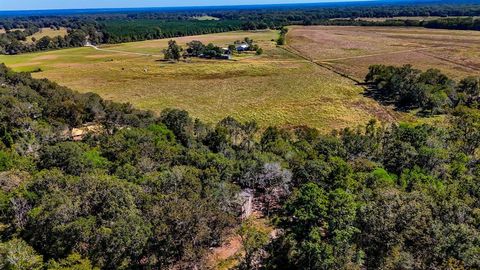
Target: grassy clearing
[221,39]
[351,50]
[3,31]
[205,18]
[48,32]
[277,88]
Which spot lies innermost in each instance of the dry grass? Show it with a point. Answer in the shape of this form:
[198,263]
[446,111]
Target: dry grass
[351,50]
[3,31]
[277,88]
[48,32]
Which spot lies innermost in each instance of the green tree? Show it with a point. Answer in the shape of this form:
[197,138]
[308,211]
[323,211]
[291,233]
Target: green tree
[195,48]
[254,238]
[307,208]
[173,52]
[16,254]
[72,262]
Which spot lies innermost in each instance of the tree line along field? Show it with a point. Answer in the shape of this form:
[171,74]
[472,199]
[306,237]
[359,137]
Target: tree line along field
[276,88]
[48,32]
[351,50]
[121,30]
[43,32]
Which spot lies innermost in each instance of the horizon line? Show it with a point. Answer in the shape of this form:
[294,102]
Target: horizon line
[326,2]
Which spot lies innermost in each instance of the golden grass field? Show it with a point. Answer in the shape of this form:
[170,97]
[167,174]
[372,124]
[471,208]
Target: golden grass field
[277,88]
[351,50]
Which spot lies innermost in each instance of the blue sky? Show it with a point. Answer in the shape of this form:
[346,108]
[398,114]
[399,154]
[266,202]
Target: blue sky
[70,4]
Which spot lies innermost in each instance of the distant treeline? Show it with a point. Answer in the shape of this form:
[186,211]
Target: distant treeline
[455,23]
[143,25]
[143,29]
[460,23]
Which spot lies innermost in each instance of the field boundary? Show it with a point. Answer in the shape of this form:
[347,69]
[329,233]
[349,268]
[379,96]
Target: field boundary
[124,52]
[291,50]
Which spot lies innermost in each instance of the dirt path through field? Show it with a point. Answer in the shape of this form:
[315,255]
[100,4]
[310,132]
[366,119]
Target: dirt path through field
[124,52]
[319,63]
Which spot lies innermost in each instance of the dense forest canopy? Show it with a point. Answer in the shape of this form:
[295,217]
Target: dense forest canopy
[132,25]
[138,190]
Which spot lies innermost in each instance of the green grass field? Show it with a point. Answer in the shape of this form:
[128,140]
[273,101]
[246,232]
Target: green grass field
[276,88]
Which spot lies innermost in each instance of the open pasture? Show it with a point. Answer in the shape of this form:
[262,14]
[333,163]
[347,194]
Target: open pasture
[276,88]
[351,50]
[205,18]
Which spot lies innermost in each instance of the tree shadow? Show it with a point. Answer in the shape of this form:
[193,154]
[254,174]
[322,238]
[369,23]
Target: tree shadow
[371,91]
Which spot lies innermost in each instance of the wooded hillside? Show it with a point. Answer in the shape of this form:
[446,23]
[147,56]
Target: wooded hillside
[142,191]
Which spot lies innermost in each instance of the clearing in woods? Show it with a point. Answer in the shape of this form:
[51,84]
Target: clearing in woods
[48,32]
[350,50]
[43,32]
[276,88]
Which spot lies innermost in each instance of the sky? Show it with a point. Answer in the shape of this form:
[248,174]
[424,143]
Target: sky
[81,4]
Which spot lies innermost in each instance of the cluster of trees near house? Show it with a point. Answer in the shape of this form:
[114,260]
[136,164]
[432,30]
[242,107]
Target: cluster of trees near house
[196,48]
[431,91]
[126,26]
[152,191]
